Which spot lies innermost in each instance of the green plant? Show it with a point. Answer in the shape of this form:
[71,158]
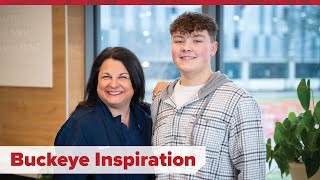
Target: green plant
[297,138]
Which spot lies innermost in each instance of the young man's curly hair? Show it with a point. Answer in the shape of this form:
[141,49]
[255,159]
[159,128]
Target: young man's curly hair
[190,22]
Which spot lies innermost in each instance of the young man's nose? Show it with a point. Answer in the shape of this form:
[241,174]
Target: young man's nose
[187,46]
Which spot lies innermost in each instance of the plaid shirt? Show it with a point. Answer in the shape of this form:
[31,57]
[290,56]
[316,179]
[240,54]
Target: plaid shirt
[227,121]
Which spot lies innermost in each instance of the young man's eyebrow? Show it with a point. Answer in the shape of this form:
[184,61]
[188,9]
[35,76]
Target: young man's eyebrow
[177,36]
[195,35]
[198,35]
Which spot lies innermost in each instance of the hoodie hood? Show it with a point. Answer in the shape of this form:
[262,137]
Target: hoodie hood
[216,80]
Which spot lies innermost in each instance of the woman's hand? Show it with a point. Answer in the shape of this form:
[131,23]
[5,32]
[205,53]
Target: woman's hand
[158,88]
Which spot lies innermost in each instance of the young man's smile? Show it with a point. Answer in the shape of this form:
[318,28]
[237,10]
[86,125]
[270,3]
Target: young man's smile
[187,57]
[192,52]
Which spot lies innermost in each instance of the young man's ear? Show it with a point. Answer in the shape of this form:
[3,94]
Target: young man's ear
[214,48]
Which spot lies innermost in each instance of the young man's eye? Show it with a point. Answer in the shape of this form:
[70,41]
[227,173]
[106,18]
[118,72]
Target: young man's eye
[197,41]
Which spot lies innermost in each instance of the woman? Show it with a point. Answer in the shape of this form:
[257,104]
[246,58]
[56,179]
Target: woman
[113,112]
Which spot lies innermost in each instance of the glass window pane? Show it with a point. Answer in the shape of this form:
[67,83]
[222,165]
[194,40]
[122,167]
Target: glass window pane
[268,70]
[145,31]
[267,50]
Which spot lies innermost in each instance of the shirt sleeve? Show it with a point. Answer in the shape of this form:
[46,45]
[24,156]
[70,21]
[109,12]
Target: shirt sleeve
[155,108]
[70,134]
[247,147]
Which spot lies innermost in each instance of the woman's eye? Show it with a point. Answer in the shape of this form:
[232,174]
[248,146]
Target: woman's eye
[197,41]
[123,77]
[106,77]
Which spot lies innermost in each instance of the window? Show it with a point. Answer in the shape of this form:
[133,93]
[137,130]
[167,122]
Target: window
[265,49]
[268,70]
[145,31]
[311,70]
[233,70]
[285,48]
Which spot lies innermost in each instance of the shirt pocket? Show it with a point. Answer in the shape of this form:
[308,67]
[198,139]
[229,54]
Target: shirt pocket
[211,133]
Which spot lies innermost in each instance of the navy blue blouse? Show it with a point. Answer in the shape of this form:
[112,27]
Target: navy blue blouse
[96,127]
[132,135]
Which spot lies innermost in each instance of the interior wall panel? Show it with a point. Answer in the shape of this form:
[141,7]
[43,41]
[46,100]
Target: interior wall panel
[32,116]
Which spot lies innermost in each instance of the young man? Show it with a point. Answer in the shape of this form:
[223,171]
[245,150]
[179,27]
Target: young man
[205,108]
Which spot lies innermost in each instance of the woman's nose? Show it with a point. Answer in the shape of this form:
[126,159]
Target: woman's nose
[114,83]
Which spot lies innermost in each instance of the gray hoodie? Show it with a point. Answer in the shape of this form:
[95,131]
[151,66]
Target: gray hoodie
[215,81]
[224,118]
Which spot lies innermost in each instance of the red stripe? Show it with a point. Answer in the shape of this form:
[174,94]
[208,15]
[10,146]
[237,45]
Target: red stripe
[164,2]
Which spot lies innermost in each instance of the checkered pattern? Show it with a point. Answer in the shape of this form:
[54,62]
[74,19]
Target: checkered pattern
[227,122]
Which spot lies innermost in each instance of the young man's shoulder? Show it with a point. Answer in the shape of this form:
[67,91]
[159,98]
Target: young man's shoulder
[232,87]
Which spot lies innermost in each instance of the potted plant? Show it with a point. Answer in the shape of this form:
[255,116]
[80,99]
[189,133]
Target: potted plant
[297,138]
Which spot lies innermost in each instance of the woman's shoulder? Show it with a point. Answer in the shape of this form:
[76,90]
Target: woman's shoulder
[141,110]
[145,107]
[80,120]
[84,116]
[82,112]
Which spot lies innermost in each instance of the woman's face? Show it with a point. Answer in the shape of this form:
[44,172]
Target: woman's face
[114,85]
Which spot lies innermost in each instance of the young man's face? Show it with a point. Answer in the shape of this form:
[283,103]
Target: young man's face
[192,52]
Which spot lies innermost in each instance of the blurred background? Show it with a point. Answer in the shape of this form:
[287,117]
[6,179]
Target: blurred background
[264,49]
